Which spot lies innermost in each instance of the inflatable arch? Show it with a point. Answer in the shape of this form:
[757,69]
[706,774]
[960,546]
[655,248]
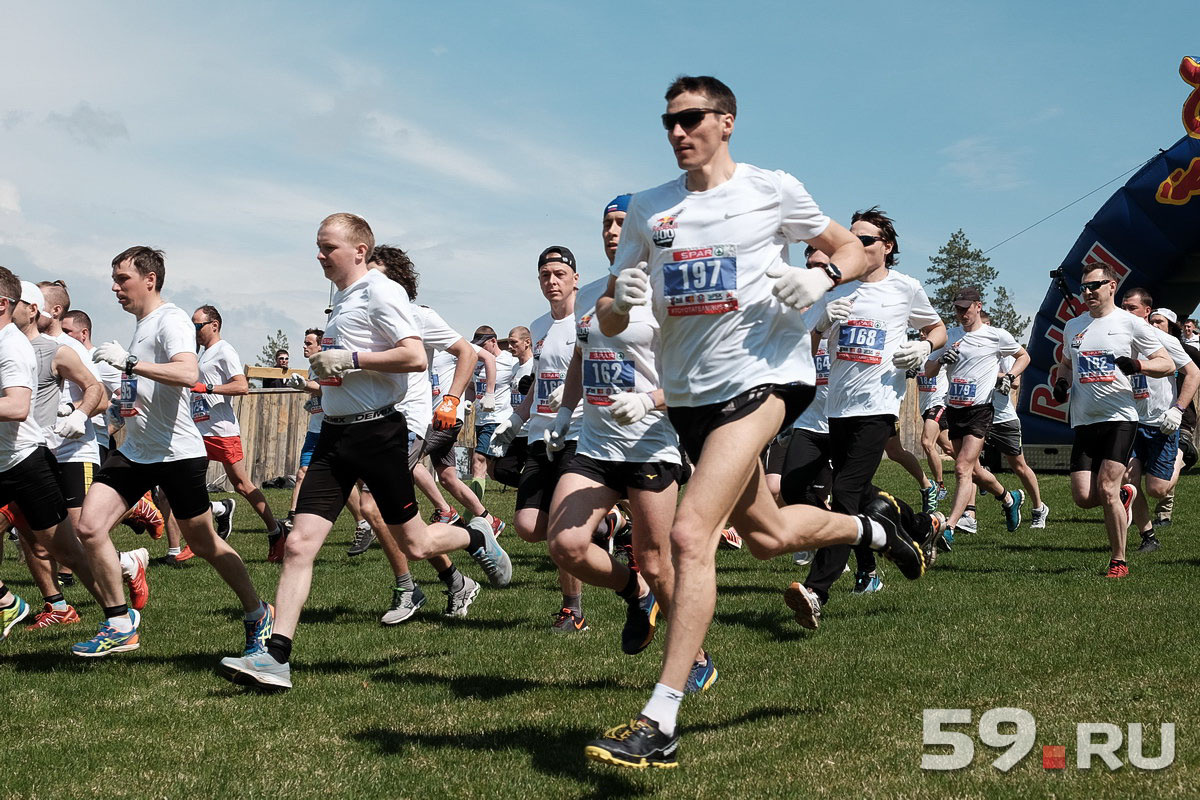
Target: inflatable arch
[1149,232]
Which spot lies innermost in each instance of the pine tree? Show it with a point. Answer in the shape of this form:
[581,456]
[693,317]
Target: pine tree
[276,341]
[958,264]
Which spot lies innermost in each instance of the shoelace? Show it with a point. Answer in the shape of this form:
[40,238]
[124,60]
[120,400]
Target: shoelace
[360,535]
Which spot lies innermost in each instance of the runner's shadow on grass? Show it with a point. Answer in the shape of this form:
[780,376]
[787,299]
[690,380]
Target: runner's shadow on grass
[780,625]
[943,567]
[1051,548]
[494,687]
[748,589]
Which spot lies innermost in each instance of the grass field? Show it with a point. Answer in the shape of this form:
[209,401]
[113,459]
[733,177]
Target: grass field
[496,706]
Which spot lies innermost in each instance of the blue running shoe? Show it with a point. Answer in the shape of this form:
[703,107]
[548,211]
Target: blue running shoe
[641,620]
[867,583]
[941,492]
[9,617]
[702,675]
[259,631]
[1012,514]
[108,640]
[929,499]
[491,556]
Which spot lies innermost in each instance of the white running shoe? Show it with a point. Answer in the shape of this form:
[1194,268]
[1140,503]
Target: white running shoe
[259,671]
[1039,516]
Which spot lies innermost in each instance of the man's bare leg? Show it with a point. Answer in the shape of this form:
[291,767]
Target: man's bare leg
[242,484]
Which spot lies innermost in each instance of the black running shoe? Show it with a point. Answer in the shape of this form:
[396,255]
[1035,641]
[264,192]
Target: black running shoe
[638,745]
[899,547]
[641,620]
[1149,544]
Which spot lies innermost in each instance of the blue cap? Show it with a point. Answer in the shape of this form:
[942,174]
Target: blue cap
[618,203]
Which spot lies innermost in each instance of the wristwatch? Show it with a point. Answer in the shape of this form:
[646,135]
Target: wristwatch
[833,272]
[208,388]
[130,362]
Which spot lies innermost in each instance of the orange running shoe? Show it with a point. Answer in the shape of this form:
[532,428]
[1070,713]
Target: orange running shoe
[730,539]
[276,542]
[50,616]
[1117,569]
[146,513]
[139,589]
[184,554]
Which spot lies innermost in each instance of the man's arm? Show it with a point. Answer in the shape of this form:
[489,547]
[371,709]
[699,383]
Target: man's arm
[14,405]
[935,334]
[611,323]
[407,356]
[843,248]
[1158,365]
[573,383]
[1020,362]
[464,368]
[238,385]
[182,370]
[68,366]
[1189,385]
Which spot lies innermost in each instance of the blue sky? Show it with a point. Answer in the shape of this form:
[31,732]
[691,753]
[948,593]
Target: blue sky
[474,134]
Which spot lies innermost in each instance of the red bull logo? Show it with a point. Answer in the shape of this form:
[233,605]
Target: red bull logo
[1189,70]
[1181,185]
[663,232]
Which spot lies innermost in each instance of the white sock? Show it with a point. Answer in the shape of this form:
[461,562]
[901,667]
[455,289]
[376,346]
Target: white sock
[1007,500]
[121,624]
[256,614]
[174,551]
[128,565]
[877,538]
[218,507]
[663,707]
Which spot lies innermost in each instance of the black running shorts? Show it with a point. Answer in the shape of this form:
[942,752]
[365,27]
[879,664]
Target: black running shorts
[1102,441]
[540,475]
[970,421]
[620,476]
[695,423]
[33,485]
[182,481]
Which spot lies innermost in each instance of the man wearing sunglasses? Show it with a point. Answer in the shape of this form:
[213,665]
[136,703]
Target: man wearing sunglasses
[709,251]
[1102,350]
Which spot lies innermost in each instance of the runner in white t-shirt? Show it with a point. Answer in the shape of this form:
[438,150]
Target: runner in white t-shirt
[1101,350]
[710,249]
[162,447]
[495,409]
[221,379]
[1161,403]
[931,408]
[971,358]
[507,454]
[369,348]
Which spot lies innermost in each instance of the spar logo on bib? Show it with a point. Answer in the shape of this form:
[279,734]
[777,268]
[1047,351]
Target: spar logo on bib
[663,230]
[861,340]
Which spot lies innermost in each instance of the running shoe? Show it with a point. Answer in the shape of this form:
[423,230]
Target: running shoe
[641,620]
[275,544]
[1040,515]
[567,621]
[108,640]
[405,603]
[364,536]
[65,579]
[490,556]
[1117,569]
[1128,493]
[49,616]
[147,515]
[498,525]
[1149,544]
[259,671]
[967,524]
[929,499]
[702,676]
[224,520]
[458,602]
[185,554]
[899,547]
[1012,513]
[934,538]
[638,745]
[1162,522]
[802,558]
[867,583]
[947,542]
[9,617]
[941,492]
[730,539]
[450,518]
[258,632]
[139,587]
[805,603]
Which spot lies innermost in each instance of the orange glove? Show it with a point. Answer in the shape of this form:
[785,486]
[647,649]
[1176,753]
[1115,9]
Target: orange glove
[446,414]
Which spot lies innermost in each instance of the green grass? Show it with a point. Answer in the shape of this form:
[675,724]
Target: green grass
[496,706]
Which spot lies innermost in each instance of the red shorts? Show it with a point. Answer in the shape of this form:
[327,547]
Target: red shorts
[224,449]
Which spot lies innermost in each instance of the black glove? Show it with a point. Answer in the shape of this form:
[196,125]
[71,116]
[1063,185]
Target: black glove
[1004,383]
[912,372]
[951,356]
[1130,366]
[524,384]
[1061,387]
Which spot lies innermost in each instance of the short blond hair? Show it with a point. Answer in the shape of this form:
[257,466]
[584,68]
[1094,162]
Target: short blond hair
[355,228]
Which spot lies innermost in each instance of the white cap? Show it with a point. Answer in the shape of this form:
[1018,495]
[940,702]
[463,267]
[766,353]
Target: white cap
[1168,313]
[30,293]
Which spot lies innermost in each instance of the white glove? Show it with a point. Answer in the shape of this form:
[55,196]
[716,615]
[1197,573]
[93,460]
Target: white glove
[836,312]
[555,398]
[330,363]
[506,431]
[466,407]
[488,403]
[951,356]
[65,409]
[629,407]
[632,289]
[911,354]
[111,353]
[798,287]
[296,381]
[74,425]
[1171,420]
[556,435]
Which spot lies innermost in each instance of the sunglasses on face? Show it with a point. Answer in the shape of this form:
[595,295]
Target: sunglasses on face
[1093,286]
[867,241]
[688,118]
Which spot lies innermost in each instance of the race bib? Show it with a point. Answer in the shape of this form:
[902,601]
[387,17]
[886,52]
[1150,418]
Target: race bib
[313,405]
[127,399]
[480,386]
[547,383]
[1096,366]
[821,362]
[435,384]
[960,392]
[1141,388]
[605,373]
[926,384]
[516,398]
[861,340]
[200,408]
[702,280]
[329,343]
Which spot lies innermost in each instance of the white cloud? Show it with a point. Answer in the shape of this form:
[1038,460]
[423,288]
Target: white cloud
[10,198]
[982,163]
[91,126]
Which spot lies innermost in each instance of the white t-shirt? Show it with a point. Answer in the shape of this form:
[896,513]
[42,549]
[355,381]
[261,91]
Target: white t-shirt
[814,418]
[1155,395]
[622,363]
[931,392]
[519,371]
[1100,392]
[213,413]
[441,375]
[372,314]
[417,405]
[723,332]
[18,367]
[971,381]
[316,414]
[110,377]
[158,417]
[84,449]
[1002,407]
[553,346]
[506,363]
[861,373]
